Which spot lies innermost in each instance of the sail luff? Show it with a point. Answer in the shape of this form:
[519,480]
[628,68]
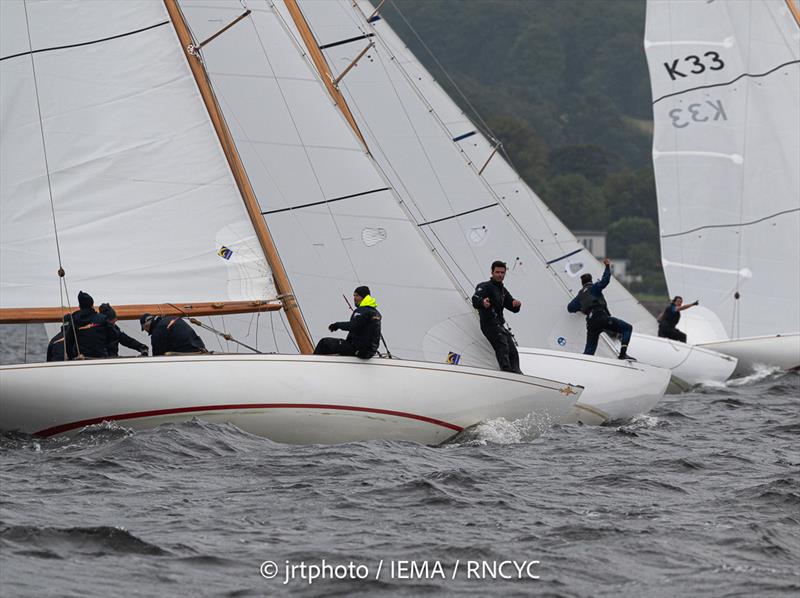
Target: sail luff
[322,66]
[282,283]
[42,315]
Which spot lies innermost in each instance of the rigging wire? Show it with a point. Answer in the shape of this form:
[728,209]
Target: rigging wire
[62,282]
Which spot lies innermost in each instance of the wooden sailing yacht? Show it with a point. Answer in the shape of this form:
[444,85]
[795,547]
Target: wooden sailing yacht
[725,78]
[119,172]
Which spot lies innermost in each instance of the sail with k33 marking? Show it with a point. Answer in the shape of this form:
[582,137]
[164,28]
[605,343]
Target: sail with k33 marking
[106,140]
[725,79]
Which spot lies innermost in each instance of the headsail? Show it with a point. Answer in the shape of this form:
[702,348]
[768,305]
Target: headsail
[726,101]
[123,170]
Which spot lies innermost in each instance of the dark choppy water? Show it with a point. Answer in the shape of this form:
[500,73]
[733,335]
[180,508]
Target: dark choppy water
[701,497]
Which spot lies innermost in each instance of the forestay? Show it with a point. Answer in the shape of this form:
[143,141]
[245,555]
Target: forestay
[418,137]
[335,220]
[726,102]
[137,188]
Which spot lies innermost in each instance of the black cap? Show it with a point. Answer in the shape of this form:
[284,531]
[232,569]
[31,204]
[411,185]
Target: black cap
[85,300]
[144,319]
[107,311]
[362,291]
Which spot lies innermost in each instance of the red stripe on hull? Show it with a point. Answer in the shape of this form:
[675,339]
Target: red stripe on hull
[60,429]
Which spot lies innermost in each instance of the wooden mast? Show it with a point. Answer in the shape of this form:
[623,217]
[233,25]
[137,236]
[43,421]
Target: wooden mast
[795,10]
[322,66]
[282,284]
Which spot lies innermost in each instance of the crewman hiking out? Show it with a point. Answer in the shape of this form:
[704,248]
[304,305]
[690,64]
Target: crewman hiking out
[171,334]
[490,299]
[669,318]
[592,303]
[363,330]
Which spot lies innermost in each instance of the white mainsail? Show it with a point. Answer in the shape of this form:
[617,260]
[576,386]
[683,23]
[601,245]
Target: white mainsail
[335,220]
[138,187]
[725,79]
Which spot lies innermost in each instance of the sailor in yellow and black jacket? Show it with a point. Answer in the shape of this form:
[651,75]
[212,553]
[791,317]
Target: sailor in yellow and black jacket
[363,330]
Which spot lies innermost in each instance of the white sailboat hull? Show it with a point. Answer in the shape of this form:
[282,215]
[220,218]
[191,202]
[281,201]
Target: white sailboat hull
[690,365]
[613,389]
[780,350]
[292,399]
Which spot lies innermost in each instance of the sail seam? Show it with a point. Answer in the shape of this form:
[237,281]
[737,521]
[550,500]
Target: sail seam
[754,76]
[89,43]
[693,230]
[491,205]
[324,201]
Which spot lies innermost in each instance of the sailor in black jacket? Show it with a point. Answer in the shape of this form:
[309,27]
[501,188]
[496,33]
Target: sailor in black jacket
[55,348]
[170,334]
[669,318]
[591,302]
[89,328]
[363,330]
[490,299]
[116,337]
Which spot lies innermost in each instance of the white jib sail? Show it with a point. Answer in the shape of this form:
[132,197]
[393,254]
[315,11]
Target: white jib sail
[334,218]
[725,79]
[415,139]
[124,164]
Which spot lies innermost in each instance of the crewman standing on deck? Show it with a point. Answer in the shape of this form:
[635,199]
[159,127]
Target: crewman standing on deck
[490,299]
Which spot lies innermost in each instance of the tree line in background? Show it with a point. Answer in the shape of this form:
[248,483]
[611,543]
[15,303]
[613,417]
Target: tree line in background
[564,85]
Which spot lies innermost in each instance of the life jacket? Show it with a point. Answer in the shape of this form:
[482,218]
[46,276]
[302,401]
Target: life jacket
[591,303]
[670,318]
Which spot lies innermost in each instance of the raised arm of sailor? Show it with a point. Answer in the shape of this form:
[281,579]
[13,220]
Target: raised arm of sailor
[603,282]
